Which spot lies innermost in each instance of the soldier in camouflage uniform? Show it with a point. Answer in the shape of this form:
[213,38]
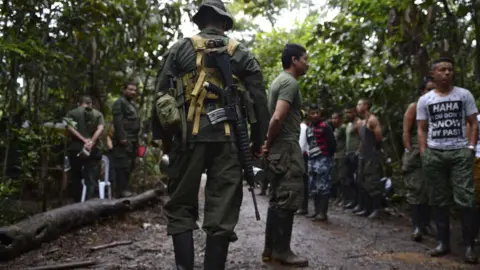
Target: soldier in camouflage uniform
[447,153]
[89,125]
[339,170]
[285,160]
[352,142]
[195,144]
[412,169]
[126,126]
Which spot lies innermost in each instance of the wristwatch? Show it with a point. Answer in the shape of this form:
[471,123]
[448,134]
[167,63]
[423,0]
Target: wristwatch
[471,147]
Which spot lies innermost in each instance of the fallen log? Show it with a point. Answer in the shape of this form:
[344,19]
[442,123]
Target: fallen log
[71,265]
[30,233]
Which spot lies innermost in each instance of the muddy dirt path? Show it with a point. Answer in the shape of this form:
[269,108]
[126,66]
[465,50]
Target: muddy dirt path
[346,242]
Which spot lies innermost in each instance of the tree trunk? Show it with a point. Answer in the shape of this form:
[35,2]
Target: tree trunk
[32,232]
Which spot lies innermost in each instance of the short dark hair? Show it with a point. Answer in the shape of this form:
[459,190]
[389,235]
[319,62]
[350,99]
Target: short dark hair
[441,60]
[291,50]
[85,99]
[127,83]
[423,85]
[368,101]
[339,113]
[313,106]
[349,106]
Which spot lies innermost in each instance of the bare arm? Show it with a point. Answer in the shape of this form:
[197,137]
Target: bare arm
[97,133]
[276,122]
[473,132]
[77,134]
[422,135]
[376,128]
[408,122]
[109,142]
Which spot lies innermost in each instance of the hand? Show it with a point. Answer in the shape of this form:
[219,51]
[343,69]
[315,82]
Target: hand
[89,145]
[265,148]
[257,151]
[123,142]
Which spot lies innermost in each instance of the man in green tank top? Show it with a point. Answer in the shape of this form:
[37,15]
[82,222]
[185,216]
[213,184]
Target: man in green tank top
[352,142]
[412,168]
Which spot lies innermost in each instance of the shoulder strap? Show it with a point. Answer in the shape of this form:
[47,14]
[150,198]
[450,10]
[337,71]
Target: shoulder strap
[232,46]
[198,42]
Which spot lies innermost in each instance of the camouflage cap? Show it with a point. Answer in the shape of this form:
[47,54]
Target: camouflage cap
[218,7]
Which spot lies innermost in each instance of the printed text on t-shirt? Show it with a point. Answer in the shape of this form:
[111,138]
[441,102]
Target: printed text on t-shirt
[446,119]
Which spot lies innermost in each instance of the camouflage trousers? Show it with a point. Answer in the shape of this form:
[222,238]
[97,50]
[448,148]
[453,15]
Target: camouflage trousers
[319,171]
[370,173]
[413,177]
[449,177]
[476,173]
[285,169]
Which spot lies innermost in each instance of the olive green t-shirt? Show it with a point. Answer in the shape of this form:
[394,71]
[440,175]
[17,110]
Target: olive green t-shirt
[341,140]
[86,123]
[285,87]
[352,138]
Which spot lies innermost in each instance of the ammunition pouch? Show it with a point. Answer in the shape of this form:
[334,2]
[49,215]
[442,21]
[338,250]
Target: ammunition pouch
[167,111]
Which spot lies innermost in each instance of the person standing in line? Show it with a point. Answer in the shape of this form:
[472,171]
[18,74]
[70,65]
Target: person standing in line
[284,157]
[447,153]
[304,147]
[412,168]
[126,126]
[352,142]
[339,170]
[321,148]
[370,165]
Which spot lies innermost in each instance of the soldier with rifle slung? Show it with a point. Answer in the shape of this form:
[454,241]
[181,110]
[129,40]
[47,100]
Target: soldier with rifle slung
[207,87]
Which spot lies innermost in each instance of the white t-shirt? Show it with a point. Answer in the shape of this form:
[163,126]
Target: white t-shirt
[303,138]
[446,117]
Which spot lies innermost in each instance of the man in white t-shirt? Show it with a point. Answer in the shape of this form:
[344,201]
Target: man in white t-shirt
[447,152]
[304,147]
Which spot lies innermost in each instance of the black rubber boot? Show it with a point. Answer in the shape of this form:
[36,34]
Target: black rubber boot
[442,221]
[269,234]
[425,214]
[183,248]
[477,225]
[361,201]
[282,252]
[316,206]
[377,207]
[352,198]
[341,196]
[417,234]
[468,230]
[216,252]
[304,209]
[367,205]
[323,208]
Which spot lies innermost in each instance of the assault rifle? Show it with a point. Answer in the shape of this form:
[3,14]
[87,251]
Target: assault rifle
[231,112]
